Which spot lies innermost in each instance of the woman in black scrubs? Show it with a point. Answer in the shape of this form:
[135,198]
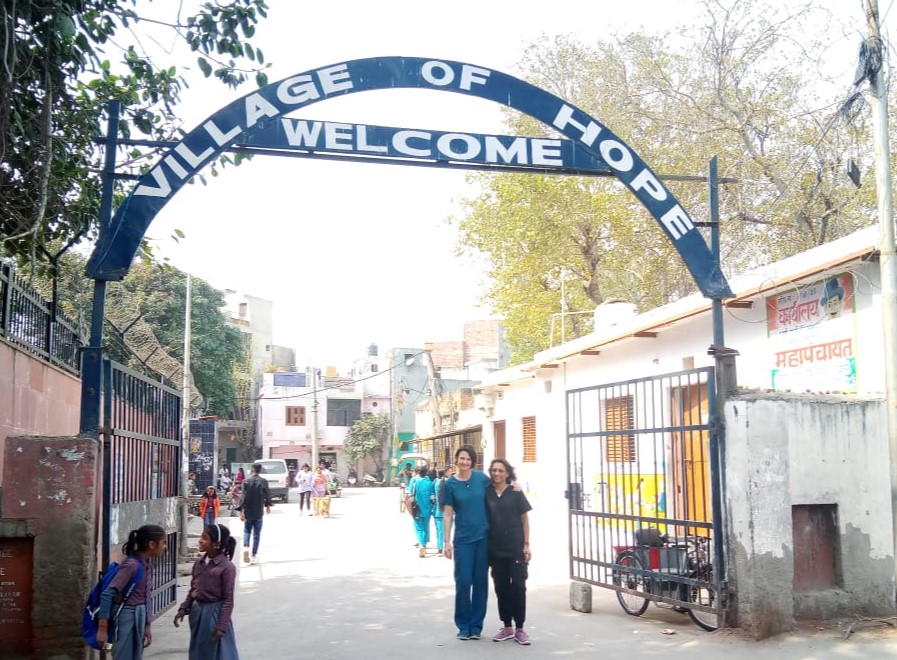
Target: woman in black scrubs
[509,551]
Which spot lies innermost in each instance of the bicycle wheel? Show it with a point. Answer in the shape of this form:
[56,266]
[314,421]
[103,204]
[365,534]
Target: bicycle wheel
[703,595]
[631,603]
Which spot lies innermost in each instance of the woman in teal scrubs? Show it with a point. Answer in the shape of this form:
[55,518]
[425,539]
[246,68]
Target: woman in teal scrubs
[464,499]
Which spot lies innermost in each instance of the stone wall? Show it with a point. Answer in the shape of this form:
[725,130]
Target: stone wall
[787,451]
[48,492]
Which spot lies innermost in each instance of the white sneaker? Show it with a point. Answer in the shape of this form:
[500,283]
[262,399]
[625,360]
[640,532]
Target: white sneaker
[255,559]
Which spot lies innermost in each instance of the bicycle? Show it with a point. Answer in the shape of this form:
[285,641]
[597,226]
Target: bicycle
[654,556]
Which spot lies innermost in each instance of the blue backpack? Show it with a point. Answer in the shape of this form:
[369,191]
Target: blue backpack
[90,620]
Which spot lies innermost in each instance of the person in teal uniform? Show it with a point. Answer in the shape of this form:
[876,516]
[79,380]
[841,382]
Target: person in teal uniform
[438,519]
[466,533]
[422,490]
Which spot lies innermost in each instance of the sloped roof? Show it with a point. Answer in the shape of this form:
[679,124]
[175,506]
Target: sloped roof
[747,286]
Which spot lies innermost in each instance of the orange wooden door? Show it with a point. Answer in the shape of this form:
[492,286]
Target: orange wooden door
[689,454]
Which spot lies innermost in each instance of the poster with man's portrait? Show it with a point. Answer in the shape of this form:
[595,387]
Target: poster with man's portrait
[812,336]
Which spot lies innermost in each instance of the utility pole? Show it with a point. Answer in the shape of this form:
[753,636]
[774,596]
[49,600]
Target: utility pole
[314,418]
[433,399]
[185,421]
[563,306]
[888,258]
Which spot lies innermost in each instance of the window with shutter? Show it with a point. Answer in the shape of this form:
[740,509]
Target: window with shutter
[618,416]
[295,416]
[529,439]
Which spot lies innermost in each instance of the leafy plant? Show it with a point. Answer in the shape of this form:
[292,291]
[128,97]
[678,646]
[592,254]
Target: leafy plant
[62,63]
[368,437]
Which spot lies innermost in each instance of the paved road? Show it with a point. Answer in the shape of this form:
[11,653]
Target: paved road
[352,586]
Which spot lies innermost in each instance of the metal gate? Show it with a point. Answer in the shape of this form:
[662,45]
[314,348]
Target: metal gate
[142,429]
[643,492]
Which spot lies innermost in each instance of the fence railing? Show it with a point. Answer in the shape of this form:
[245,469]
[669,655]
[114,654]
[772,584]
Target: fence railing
[144,422]
[29,321]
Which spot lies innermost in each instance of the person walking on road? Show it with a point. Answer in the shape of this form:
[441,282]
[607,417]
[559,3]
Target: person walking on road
[509,552]
[422,492]
[210,600]
[319,493]
[438,485]
[464,499]
[254,504]
[305,479]
[209,506]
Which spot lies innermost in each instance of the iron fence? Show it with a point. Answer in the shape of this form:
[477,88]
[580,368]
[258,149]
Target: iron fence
[640,491]
[143,426]
[440,449]
[30,322]
[144,419]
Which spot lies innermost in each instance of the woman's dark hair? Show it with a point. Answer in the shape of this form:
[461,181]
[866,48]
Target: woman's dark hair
[227,544]
[470,452]
[422,471]
[512,477]
[306,465]
[440,473]
[139,539]
[432,474]
[214,493]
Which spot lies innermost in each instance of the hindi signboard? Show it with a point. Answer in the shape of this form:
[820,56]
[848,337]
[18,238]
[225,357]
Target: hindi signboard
[812,337]
[16,573]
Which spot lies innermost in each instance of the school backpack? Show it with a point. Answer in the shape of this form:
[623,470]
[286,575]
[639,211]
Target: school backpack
[90,621]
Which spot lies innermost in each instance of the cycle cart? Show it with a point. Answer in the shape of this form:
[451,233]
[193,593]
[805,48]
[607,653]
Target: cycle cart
[677,574]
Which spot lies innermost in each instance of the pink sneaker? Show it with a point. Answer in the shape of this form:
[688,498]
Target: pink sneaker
[504,634]
[521,637]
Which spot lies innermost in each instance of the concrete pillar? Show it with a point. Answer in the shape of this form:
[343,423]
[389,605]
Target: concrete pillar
[581,597]
[48,495]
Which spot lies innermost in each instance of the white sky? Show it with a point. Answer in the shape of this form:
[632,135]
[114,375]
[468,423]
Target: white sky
[359,253]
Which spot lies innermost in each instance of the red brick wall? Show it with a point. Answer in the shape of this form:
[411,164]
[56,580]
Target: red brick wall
[35,398]
[448,354]
[482,339]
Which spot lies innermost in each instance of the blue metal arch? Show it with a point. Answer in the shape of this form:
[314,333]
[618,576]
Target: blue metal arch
[119,241]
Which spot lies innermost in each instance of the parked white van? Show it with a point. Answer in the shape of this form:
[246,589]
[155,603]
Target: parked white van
[275,472]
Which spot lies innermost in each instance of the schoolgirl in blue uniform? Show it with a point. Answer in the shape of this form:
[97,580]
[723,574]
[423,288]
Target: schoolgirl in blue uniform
[210,600]
[133,632]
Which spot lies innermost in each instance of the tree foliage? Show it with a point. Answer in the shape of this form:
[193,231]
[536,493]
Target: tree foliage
[160,294]
[367,437]
[742,86]
[62,62]
[145,316]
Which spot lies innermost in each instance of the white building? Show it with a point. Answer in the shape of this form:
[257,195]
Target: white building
[809,323]
[291,405]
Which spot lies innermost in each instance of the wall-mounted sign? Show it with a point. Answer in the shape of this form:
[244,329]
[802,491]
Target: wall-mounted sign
[812,337]
[254,113]
[415,144]
[16,587]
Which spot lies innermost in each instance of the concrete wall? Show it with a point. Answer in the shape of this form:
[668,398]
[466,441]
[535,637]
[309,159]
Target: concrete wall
[48,495]
[35,398]
[787,450]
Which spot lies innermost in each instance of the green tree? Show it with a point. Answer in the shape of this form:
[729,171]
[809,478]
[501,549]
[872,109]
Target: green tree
[160,294]
[62,61]
[145,327]
[732,86]
[368,437]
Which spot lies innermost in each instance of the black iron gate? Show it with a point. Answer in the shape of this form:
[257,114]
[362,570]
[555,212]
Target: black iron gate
[142,422]
[643,477]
